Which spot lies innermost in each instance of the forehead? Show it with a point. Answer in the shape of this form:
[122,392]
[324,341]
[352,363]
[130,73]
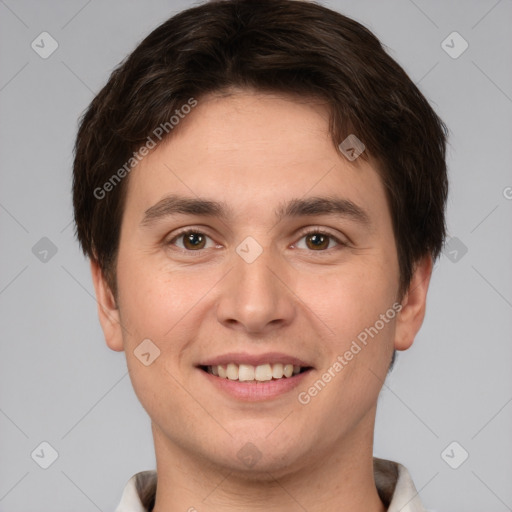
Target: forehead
[253,147]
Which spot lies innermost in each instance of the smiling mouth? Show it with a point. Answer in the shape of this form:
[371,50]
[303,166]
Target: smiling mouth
[249,373]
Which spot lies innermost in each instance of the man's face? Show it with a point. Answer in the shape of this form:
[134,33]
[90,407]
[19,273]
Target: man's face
[271,274]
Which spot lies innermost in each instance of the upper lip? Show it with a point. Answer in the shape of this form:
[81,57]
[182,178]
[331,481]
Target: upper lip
[254,359]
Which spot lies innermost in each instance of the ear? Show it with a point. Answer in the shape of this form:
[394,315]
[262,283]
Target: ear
[108,311]
[414,303]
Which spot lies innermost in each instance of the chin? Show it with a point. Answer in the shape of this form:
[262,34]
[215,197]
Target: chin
[255,456]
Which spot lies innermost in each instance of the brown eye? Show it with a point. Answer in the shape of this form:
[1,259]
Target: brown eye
[317,241]
[194,241]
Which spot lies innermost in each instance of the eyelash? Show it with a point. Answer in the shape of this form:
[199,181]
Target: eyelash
[310,231]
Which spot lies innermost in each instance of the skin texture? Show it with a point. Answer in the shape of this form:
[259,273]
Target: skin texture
[255,152]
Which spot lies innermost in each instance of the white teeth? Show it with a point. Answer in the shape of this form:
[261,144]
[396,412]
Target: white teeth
[245,372]
[221,370]
[260,373]
[232,371]
[277,371]
[263,372]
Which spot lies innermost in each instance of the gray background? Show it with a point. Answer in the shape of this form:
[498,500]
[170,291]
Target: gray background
[61,384]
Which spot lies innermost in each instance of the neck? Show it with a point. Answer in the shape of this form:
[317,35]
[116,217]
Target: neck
[340,480]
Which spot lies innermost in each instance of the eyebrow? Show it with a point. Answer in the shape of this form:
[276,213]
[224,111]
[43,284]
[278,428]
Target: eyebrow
[312,206]
[172,205]
[309,207]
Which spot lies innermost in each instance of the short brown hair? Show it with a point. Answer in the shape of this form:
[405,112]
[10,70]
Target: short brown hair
[283,46]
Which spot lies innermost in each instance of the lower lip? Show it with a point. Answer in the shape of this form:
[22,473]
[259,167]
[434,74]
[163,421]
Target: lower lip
[256,391]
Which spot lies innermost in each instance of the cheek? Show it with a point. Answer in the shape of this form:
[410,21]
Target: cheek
[349,299]
[359,309]
[153,298]
[158,304]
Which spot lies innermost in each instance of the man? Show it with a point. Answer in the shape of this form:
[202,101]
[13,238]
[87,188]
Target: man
[261,191]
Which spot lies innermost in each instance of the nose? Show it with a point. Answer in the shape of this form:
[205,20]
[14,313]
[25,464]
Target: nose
[255,297]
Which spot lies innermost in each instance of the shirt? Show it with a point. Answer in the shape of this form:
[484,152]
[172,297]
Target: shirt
[394,485]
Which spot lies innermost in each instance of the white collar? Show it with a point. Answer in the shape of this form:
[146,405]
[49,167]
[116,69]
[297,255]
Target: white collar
[388,474]
[405,498]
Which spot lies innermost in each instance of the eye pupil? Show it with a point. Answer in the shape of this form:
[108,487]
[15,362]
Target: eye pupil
[318,241]
[194,241]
